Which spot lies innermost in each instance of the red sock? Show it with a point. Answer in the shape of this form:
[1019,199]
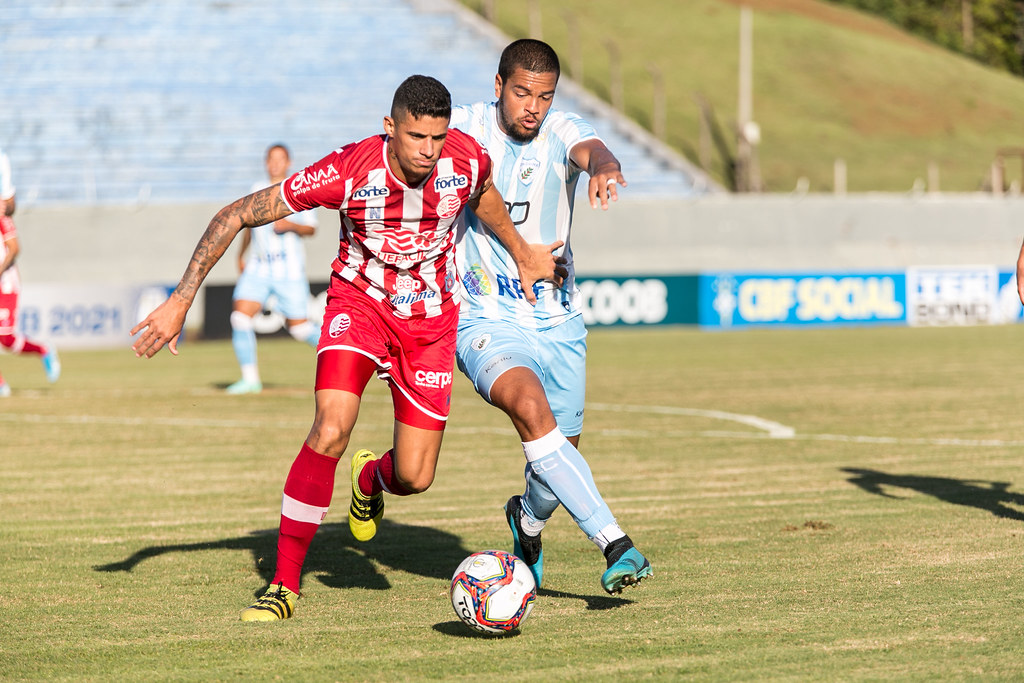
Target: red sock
[307,497]
[379,475]
[18,344]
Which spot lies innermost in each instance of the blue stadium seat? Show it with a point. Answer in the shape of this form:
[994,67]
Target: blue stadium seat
[150,101]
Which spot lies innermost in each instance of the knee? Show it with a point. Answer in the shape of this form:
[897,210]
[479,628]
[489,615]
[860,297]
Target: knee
[328,438]
[240,322]
[531,409]
[417,483]
[415,474]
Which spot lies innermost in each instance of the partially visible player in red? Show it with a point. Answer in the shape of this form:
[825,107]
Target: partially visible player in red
[10,285]
[392,307]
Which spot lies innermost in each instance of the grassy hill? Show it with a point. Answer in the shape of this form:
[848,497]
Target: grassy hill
[829,82]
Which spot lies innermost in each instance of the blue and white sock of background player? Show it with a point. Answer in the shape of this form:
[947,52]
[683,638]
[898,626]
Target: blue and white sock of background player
[243,339]
[565,476]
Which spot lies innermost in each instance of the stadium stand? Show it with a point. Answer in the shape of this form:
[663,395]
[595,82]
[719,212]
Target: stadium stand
[165,101]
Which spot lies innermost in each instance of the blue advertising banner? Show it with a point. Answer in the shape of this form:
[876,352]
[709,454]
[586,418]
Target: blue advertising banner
[640,300]
[732,300]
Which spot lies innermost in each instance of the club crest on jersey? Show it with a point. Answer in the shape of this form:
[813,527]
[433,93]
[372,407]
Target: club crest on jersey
[370,192]
[527,170]
[448,206]
[450,182]
[339,325]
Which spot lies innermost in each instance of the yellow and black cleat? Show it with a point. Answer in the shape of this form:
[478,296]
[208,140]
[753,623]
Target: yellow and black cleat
[277,603]
[365,512]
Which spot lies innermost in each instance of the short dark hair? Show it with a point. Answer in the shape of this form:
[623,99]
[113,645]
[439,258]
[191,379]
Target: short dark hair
[528,54]
[422,96]
[278,145]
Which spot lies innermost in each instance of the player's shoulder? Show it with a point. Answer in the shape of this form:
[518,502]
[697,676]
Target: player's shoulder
[460,144]
[567,121]
[469,112]
[364,147]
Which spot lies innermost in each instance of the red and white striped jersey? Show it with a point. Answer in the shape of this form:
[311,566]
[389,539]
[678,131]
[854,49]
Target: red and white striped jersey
[9,280]
[397,242]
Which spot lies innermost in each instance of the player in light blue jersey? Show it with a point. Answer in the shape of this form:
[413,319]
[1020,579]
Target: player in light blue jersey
[272,262]
[530,360]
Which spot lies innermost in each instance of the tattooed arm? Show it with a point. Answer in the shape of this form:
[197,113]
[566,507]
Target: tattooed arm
[164,324]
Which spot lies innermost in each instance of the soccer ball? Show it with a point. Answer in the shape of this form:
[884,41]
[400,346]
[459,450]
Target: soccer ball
[493,591]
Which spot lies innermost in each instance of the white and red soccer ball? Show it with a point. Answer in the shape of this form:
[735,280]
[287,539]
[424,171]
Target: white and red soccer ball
[493,591]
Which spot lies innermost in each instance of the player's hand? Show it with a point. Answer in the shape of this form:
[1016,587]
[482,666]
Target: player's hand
[1020,275]
[604,187]
[541,263]
[162,326]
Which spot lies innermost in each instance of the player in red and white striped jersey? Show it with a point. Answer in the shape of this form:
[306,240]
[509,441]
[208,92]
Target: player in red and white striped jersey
[12,341]
[392,307]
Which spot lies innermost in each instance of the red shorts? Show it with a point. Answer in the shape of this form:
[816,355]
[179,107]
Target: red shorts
[415,355]
[8,312]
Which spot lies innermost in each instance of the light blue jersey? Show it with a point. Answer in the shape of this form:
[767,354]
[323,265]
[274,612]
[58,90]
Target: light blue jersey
[278,257]
[538,182]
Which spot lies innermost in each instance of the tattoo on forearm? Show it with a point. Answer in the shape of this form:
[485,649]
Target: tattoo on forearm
[258,208]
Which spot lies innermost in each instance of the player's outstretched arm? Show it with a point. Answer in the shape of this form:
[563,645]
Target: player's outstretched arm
[604,170]
[1020,274]
[164,324]
[535,262]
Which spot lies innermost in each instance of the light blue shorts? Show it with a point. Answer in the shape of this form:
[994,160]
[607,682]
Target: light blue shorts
[292,295]
[558,356]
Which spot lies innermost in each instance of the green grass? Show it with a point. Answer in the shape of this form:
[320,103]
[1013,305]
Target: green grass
[829,82]
[883,540]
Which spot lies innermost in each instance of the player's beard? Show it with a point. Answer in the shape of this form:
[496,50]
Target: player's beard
[510,129]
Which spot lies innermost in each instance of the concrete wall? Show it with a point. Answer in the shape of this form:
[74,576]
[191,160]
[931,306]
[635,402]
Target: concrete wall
[131,245]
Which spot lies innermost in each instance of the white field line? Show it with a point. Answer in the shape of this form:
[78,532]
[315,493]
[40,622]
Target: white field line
[767,428]
[774,429]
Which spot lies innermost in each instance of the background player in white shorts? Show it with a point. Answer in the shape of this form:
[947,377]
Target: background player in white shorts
[10,285]
[530,360]
[272,262]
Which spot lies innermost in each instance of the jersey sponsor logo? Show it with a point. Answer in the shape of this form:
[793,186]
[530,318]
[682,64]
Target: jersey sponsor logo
[339,325]
[450,182]
[448,206]
[402,241]
[370,192]
[518,211]
[497,364]
[401,260]
[411,298]
[407,283]
[310,180]
[432,379]
[475,281]
[481,342]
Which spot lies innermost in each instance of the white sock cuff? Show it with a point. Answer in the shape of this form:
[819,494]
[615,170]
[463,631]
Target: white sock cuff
[545,445]
[610,533]
[302,512]
[240,321]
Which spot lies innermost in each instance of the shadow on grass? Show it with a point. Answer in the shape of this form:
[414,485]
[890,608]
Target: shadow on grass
[335,557]
[991,496]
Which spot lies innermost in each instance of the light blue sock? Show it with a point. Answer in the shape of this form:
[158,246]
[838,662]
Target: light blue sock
[563,471]
[243,339]
[539,502]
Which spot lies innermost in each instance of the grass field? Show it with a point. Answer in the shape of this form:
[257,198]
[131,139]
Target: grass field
[881,539]
[828,82]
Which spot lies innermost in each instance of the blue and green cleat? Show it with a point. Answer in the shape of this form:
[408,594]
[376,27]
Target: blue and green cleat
[626,566]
